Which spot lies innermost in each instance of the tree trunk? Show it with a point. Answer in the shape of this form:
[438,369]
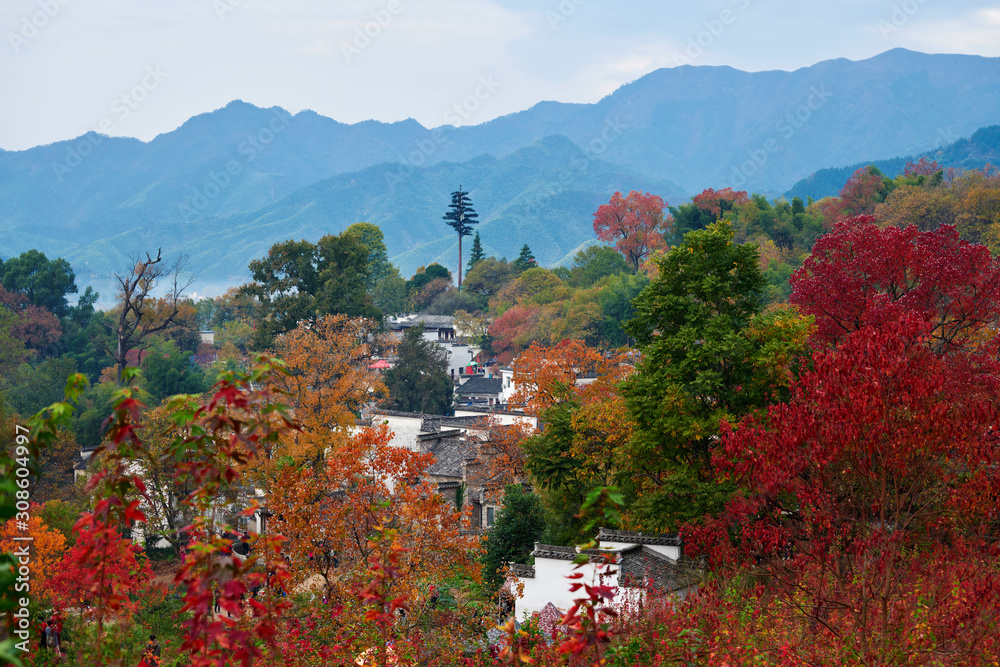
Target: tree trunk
[460,260]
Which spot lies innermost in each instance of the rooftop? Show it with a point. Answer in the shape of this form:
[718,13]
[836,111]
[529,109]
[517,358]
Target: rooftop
[630,537]
[481,385]
[429,321]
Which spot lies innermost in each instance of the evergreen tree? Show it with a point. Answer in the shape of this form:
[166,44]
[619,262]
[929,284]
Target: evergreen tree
[511,540]
[460,217]
[526,260]
[419,381]
[477,254]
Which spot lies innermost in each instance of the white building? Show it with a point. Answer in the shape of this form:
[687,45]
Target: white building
[640,564]
[439,329]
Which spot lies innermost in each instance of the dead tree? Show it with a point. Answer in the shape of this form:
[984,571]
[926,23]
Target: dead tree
[135,322]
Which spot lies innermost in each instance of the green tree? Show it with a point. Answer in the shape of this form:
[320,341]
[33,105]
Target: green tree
[419,381]
[487,278]
[425,275]
[44,282]
[477,254]
[89,345]
[615,294]
[12,350]
[511,540]
[595,262]
[83,312]
[35,387]
[526,260]
[450,301]
[390,294]
[708,355]
[379,265]
[300,281]
[168,370]
[460,217]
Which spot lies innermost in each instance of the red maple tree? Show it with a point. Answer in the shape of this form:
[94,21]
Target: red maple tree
[126,572]
[860,275]
[718,202]
[862,191]
[635,224]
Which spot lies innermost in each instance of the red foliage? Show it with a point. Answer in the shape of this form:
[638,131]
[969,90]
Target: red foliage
[863,190]
[517,328]
[869,501]
[860,275]
[227,429]
[718,202]
[924,167]
[35,326]
[102,570]
[635,224]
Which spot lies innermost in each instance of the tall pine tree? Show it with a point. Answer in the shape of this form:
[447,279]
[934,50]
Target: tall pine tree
[526,260]
[477,254]
[460,217]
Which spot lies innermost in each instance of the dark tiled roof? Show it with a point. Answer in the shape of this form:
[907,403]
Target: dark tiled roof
[481,385]
[435,423]
[522,571]
[566,553]
[429,321]
[448,456]
[396,413]
[606,535]
[429,436]
[553,551]
[492,410]
[645,568]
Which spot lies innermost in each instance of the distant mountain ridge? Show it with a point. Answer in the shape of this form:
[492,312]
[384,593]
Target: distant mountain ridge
[982,148]
[256,176]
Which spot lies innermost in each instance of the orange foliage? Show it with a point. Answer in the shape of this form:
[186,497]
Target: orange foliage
[331,516]
[46,546]
[584,381]
[543,374]
[502,455]
[329,379]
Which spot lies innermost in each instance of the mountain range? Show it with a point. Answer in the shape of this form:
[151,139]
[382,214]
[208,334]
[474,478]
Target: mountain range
[227,184]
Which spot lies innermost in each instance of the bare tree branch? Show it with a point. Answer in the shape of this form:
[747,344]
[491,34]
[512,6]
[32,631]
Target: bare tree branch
[135,285]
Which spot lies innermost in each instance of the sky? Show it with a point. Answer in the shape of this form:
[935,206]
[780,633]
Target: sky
[142,67]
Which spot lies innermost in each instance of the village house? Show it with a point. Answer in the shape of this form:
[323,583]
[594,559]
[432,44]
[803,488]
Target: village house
[461,448]
[439,329]
[640,565]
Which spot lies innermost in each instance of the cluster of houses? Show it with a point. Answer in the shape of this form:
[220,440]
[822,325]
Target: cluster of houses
[635,563]
[482,385]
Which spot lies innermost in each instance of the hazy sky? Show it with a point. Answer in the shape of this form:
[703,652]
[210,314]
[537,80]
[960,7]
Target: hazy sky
[142,67]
